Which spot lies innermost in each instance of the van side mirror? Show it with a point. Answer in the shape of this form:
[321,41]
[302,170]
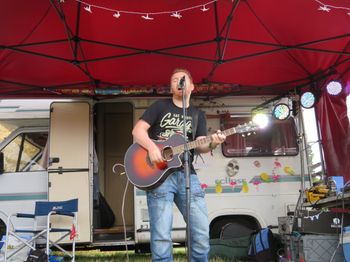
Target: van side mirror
[1,163]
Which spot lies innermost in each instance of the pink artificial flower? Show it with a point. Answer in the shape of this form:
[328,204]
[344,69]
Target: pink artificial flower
[232,183]
[275,178]
[204,186]
[277,163]
[256,182]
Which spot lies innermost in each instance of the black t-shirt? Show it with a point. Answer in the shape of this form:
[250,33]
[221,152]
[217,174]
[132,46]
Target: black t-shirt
[166,119]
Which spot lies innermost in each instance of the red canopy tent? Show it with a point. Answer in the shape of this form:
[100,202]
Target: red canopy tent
[248,46]
[58,48]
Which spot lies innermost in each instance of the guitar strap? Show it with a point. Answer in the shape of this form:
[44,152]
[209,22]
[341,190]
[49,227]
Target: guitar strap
[194,122]
[195,114]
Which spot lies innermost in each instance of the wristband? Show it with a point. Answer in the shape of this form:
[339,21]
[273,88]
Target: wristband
[211,147]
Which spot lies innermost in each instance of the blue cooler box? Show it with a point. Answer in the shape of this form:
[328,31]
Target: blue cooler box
[346,243]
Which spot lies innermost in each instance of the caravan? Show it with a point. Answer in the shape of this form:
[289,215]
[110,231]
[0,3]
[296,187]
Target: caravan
[66,149]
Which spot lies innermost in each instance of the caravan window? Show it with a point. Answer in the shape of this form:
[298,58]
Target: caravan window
[24,152]
[278,139]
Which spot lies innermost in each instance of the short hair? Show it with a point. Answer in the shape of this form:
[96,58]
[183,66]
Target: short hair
[183,70]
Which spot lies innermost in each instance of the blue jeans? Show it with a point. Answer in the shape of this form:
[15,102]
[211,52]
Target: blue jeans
[160,207]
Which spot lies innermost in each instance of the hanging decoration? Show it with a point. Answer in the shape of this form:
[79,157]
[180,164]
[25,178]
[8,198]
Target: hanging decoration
[327,8]
[116,13]
[88,8]
[314,217]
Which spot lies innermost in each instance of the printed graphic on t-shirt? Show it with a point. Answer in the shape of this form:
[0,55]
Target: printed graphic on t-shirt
[172,123]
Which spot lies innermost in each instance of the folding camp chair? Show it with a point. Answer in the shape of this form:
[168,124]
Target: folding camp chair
[48,210]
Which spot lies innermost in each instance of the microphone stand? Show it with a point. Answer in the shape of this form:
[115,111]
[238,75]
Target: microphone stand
[186,170]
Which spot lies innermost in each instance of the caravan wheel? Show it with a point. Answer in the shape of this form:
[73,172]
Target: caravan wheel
[233,226]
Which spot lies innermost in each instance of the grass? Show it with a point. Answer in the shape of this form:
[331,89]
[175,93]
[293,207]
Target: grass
[109,256]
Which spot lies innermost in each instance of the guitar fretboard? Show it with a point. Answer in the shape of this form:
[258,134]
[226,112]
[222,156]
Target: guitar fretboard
[196,143]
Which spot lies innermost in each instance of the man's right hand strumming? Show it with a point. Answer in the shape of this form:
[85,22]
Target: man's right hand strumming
[155,154]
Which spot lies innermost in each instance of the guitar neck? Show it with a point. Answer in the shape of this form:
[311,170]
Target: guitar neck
[196,143]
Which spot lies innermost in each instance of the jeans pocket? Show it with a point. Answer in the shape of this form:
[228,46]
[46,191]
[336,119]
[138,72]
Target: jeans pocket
[156,195]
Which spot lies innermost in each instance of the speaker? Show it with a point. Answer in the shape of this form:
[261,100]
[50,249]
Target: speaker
[321,222]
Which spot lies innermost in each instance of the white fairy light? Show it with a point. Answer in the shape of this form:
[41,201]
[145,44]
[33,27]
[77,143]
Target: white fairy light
[326,7]
[204,8]
[147,17]
[176,14]
[88,8]
[116,15]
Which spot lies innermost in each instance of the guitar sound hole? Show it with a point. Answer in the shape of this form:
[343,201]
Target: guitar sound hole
[167,153]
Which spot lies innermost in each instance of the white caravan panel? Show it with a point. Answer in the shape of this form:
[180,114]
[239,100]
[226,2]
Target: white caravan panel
[69,142]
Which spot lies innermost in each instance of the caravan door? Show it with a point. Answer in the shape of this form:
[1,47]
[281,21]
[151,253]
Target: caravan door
[69,147]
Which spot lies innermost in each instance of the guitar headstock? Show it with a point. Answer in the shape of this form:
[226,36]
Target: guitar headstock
[246,129]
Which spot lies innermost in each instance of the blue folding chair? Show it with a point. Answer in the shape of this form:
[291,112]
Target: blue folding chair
[49,210]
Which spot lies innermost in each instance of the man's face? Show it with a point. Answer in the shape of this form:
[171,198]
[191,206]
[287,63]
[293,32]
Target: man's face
[174,84]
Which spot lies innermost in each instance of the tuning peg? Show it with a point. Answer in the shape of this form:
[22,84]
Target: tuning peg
[249,134]
[243,135]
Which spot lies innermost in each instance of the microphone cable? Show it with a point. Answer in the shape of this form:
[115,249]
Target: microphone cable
[123,206]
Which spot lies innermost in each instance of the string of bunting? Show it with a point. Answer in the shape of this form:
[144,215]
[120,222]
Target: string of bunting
[316,217]
[116,13]
[327,8]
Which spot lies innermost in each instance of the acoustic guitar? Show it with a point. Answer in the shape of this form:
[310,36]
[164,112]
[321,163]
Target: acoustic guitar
[147,175]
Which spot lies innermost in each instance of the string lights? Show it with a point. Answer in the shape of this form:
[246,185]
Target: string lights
[116,13]
[177,13]
[327,8]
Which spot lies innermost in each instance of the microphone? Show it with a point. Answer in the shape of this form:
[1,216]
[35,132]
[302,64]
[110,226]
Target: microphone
[182,83]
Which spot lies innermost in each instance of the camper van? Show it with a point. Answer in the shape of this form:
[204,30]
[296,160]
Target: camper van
[57,150]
